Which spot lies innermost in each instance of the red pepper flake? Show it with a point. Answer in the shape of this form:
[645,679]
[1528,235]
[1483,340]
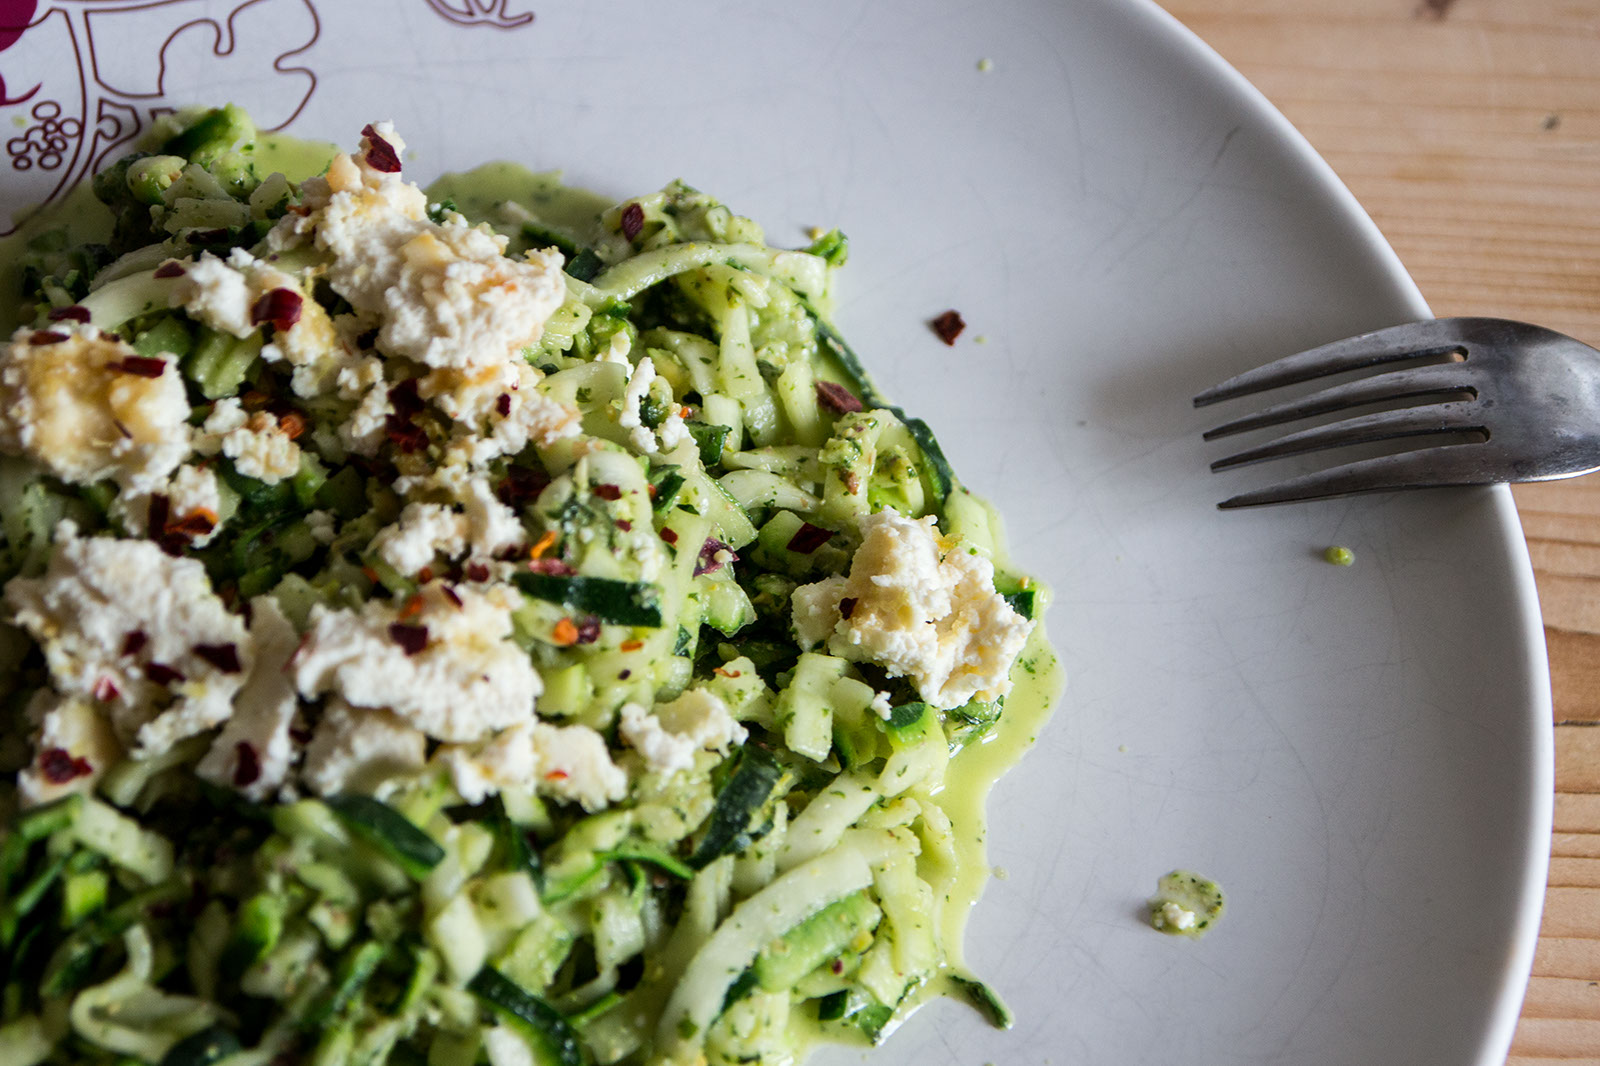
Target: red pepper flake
[477,572]
[836,397]
[401,427]
[723,671]
[624,675]
[411,608]
[502,404]
[521,485]
[47,336]
[588,630]
[554,567]
[300,735]
[381,155]
[837,966]
[224,657]
[670,536]
[631,645]
[608,492]
[247,767]
[425,575]
[625,525]
[451,595]
[948,326]
[808,538]
[411,639]
[405,399]
[405,435]
[632,221]
[60,766]
[281,307]
[556,775]
[156,518]
[162,674]
[197,523]
[208,236]
[847,607]
[564,633]
[134,642]
[105,690]
[140,366]
[292,424]
[708,563]
[74,313]
[172,268]
[546,541]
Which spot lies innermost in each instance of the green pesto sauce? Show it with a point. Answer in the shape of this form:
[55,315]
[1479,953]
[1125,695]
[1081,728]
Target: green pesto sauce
[1194,895]
[87,221]
[482,193]
[489,191]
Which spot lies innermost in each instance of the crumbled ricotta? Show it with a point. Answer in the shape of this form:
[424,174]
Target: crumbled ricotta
[361,750]
[128,626]
[1172,915]
[71,402]
[192,491]
[217,293]
[263,713]
[670,433]
[72,726]
[499,409]
[570,763]
[364,432]
[423,531]
[923,608]
[669,737]
[445,295]
[324,526]
[464,682]
[259,446]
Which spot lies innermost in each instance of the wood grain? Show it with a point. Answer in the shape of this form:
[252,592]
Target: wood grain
[1470,130]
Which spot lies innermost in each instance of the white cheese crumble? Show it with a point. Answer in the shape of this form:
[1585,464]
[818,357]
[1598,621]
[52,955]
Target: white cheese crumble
[1171,915]
[254,751]
[422,531]
[217,293]
[257,443]
[923,608]
[191,492]
[568,763]
[138,632]
[73,402]
[445,295]
[670,433]
[463,681]
[669,737]
[68,728]
[361,750]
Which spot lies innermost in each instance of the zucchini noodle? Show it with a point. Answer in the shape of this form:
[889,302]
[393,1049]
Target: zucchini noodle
[487,625]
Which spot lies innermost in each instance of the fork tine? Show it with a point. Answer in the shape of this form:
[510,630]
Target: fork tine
[1448,417]
[1397,385]
[1414,339]
[1446,464]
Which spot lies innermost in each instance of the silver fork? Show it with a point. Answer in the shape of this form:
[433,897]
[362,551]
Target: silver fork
[1516,403]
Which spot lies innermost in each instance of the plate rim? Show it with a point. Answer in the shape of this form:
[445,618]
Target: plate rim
[1538,713]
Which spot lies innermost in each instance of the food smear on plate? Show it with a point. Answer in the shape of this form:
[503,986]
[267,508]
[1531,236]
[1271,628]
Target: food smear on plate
[482,624]
[1186,904]
[1339,555]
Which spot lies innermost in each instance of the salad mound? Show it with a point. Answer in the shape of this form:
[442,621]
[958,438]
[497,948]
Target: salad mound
[450,627]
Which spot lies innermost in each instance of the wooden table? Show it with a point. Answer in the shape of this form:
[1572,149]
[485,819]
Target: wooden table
[1470,130]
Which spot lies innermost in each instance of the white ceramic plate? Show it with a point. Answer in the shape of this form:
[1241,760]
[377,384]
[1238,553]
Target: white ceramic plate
[1361,756]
